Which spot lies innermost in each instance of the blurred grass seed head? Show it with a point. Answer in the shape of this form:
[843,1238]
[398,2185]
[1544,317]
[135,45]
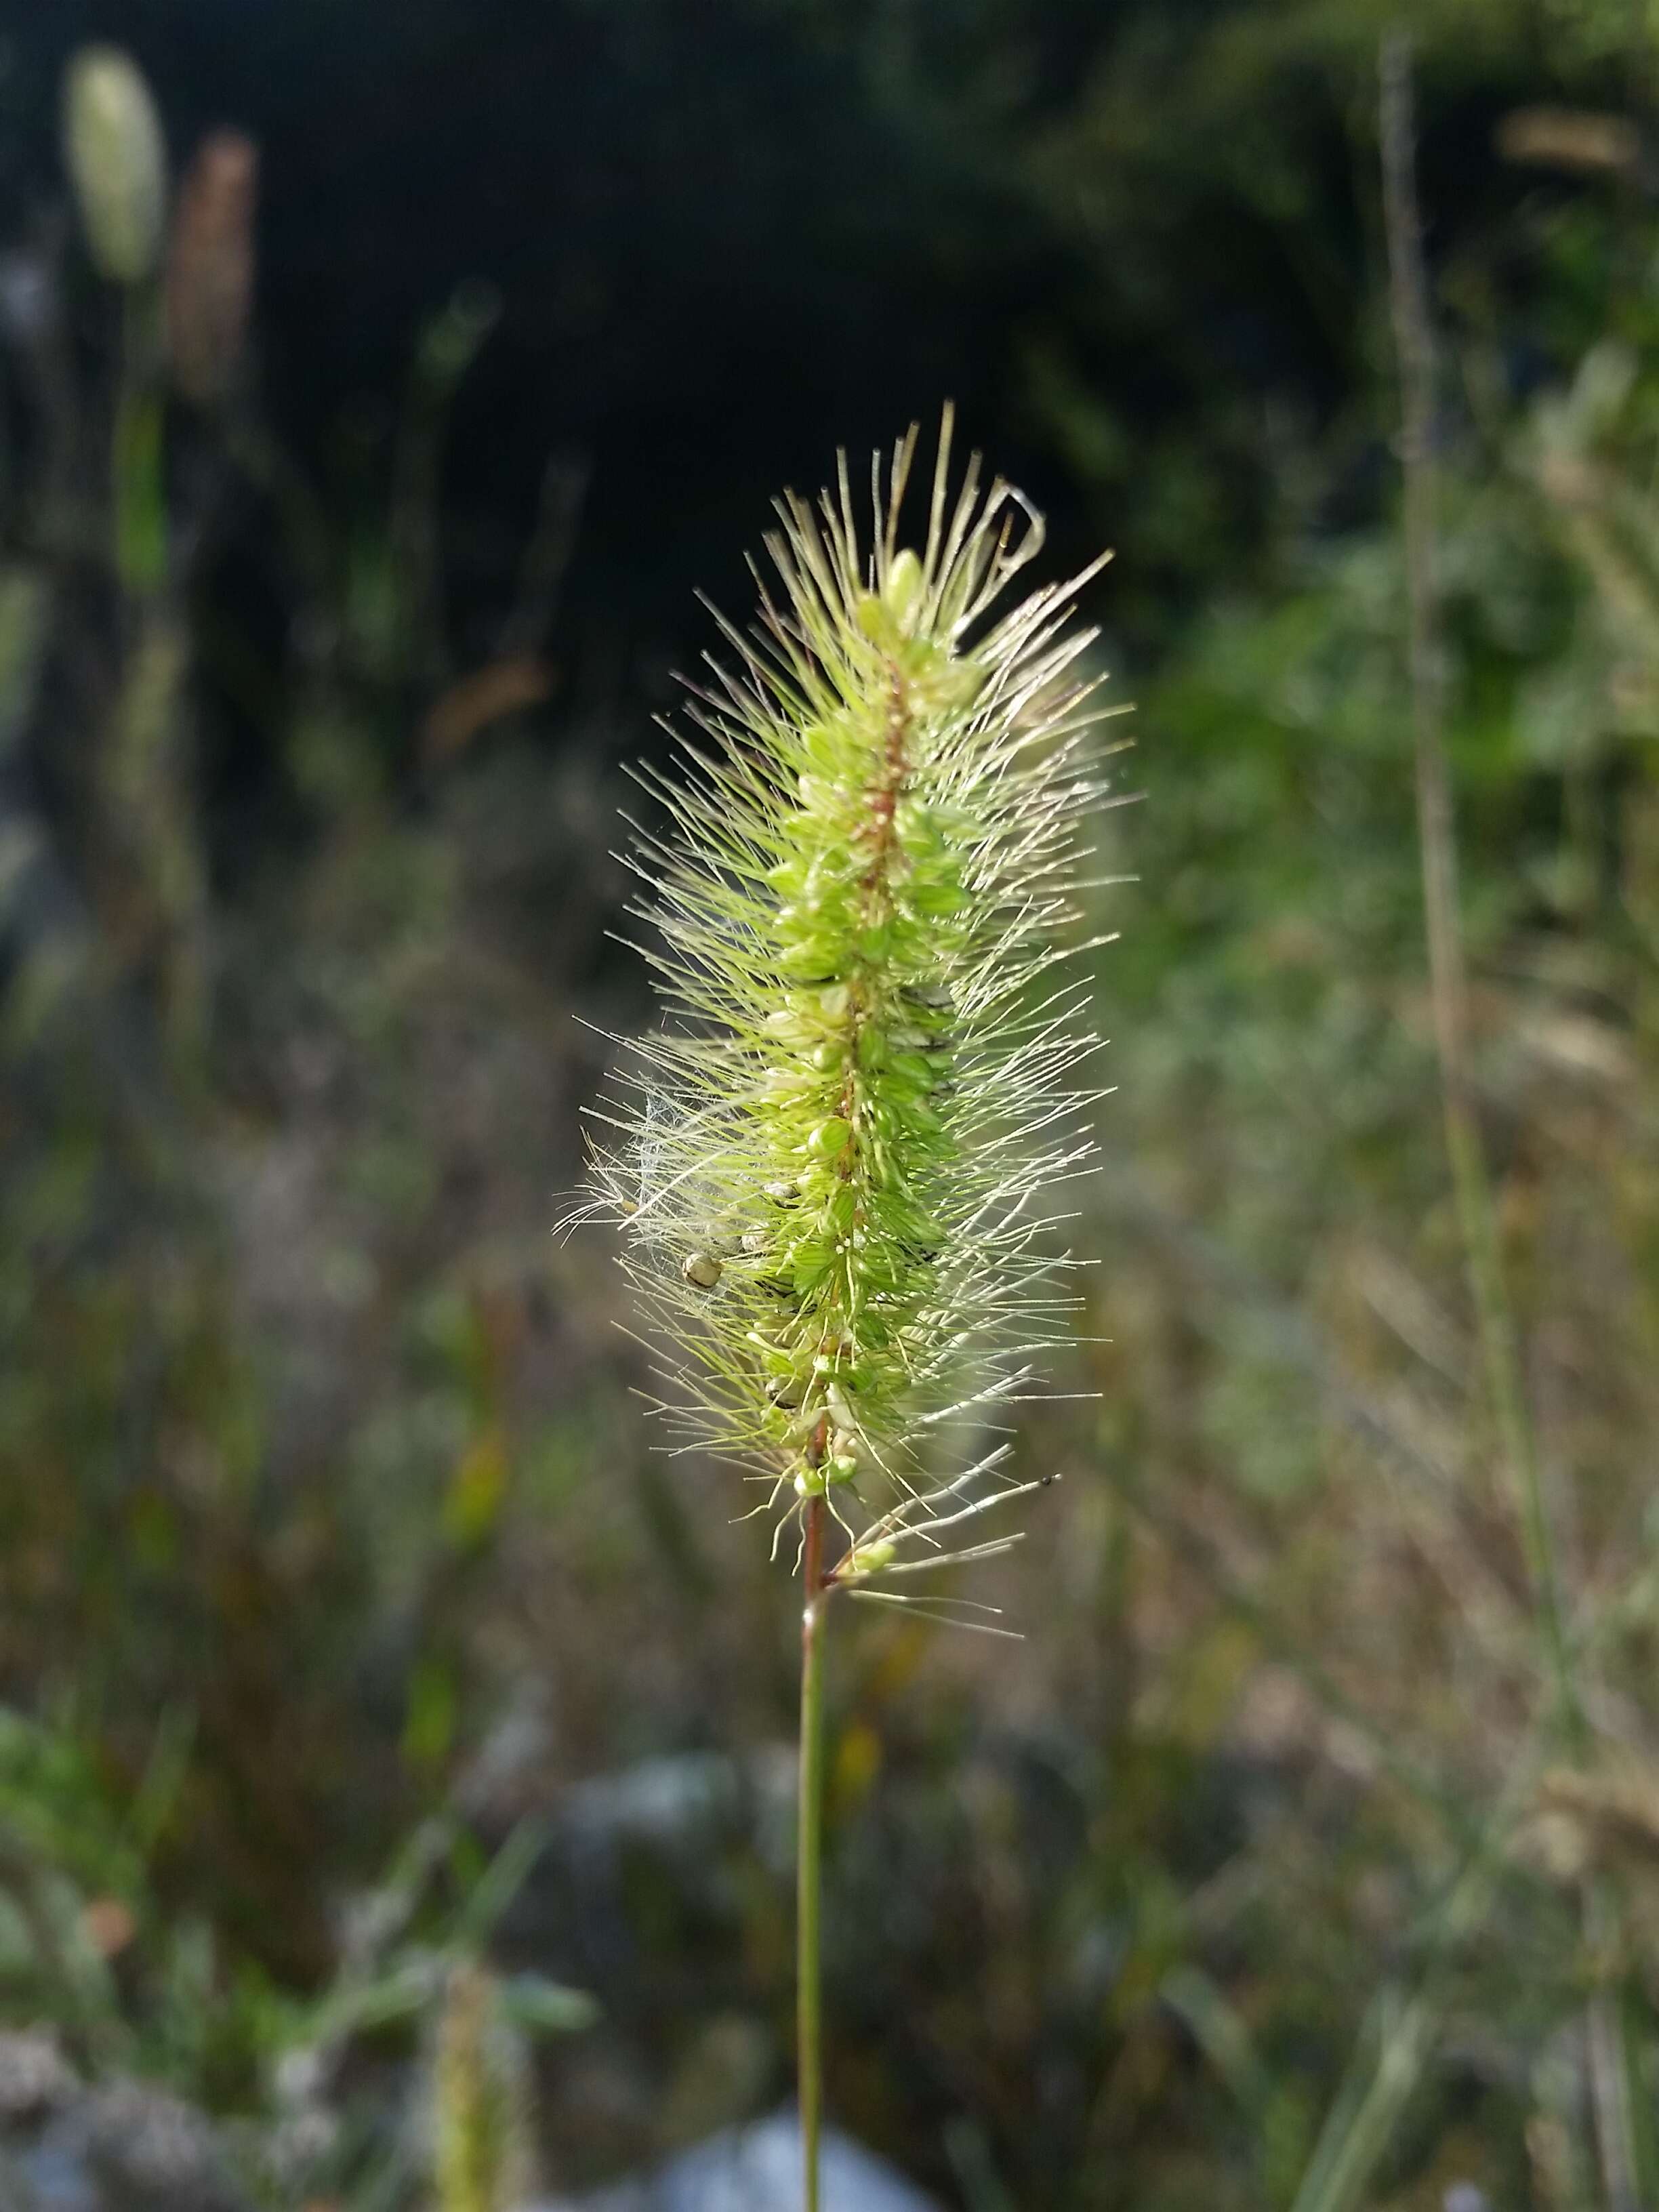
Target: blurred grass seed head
[115,151]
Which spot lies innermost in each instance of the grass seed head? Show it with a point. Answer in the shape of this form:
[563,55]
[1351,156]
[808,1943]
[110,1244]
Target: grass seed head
[831,1163]
[116,155]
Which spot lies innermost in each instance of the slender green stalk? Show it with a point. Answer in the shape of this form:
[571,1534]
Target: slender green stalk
[809,2001]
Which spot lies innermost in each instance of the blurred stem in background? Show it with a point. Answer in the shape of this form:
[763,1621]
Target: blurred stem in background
[1448,972]
[115,149]
[1610,2065]
[137,488]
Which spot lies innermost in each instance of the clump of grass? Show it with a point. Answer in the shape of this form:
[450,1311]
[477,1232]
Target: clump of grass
[835,1166]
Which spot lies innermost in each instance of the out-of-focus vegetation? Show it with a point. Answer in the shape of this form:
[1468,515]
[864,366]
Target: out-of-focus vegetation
[329,1538]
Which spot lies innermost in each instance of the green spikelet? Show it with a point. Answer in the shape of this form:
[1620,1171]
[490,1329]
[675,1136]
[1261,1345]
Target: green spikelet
[828,1165]
[480,2101]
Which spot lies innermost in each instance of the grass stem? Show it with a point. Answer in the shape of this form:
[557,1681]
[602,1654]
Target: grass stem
[808,1856]
[1448,973]
[1413,331]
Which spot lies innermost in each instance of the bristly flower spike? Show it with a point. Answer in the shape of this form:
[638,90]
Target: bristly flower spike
[833,1165]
